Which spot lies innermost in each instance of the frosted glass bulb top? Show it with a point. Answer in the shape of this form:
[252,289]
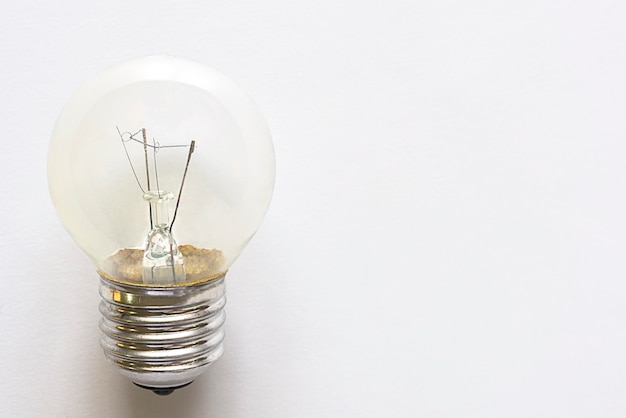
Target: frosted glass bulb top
[152,207]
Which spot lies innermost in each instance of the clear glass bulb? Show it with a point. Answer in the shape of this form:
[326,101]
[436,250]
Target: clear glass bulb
[162,170]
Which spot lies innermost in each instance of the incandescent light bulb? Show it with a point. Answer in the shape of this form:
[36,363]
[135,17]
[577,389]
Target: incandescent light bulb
[161,169]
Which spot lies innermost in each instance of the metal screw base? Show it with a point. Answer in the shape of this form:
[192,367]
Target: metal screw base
[162,338]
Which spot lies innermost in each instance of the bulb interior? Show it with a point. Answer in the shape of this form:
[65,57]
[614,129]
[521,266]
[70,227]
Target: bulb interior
[161,169]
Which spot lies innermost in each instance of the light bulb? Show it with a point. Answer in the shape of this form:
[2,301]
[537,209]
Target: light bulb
[161,169]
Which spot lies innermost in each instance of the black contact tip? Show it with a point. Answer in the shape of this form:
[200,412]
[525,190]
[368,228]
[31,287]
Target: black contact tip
[162,391]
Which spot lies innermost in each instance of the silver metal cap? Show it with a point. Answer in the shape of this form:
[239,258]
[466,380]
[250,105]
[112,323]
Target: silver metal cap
[162,338]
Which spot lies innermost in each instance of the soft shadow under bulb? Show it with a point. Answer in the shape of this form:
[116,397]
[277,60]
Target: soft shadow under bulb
[161,169]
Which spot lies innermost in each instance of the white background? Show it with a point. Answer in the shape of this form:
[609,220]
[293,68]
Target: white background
[447,232]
